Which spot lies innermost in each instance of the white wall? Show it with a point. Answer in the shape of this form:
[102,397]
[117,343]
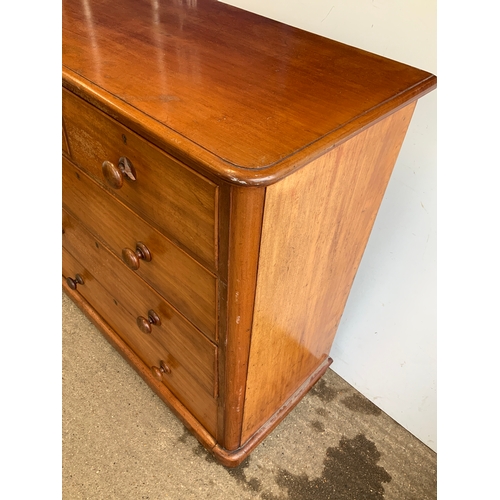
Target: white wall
[386,341]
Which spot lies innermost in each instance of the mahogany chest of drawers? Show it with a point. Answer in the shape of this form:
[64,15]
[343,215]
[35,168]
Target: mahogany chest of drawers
[221,176]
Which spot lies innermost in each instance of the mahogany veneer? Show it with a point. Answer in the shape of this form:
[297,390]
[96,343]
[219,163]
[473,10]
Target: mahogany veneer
[221,176]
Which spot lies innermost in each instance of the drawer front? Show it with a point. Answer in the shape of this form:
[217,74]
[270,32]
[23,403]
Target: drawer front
[185,284]
[173,332]
[179,380]
[178,201]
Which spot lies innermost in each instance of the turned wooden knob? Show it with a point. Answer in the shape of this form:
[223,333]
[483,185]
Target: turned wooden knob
[145,324]
[73,282]
[158,372]
[132,259]
[114,175]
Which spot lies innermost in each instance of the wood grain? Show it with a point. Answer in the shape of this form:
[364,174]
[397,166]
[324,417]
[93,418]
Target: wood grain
[223,232]
[246,210]
[259,155]
[65,147]
[179,202]
[183,282]
[316,226]
[229,92]
[175,334]
[179,381]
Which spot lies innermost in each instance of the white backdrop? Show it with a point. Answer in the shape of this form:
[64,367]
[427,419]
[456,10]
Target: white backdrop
[386,342]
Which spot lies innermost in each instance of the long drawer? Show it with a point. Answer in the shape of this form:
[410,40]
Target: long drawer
[177,375]
[178,201]
[183,282]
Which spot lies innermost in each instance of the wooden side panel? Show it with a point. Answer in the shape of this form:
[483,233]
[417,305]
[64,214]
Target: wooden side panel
[315,228]
[246,208]
[65,147]
[224,205]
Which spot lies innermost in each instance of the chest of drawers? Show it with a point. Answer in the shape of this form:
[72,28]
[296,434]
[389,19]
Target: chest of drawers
[221,176]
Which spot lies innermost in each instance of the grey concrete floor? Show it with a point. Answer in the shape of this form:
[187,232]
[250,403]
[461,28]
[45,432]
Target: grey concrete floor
[121,442]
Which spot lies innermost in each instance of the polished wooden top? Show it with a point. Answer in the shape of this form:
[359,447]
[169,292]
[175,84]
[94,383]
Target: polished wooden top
[241,96]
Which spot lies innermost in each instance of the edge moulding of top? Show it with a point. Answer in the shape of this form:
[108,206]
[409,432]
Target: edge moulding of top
[203,160]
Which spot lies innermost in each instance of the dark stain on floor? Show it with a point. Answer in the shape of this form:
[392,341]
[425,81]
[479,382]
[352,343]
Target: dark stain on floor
[350,473]
[239,474]
[355,402]
[317,426]
[322,412]
[323,391]
[200,451]
[185,435]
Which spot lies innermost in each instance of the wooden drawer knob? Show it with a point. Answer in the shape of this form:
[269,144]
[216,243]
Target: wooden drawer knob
[132,259]
[73,282]
[114,175]
[158,372]
[145,324]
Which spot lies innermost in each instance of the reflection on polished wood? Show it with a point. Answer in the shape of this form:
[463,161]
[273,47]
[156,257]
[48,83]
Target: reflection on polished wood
[221,176]
[242,93]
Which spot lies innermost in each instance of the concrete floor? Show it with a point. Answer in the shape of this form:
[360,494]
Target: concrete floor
[121,442]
